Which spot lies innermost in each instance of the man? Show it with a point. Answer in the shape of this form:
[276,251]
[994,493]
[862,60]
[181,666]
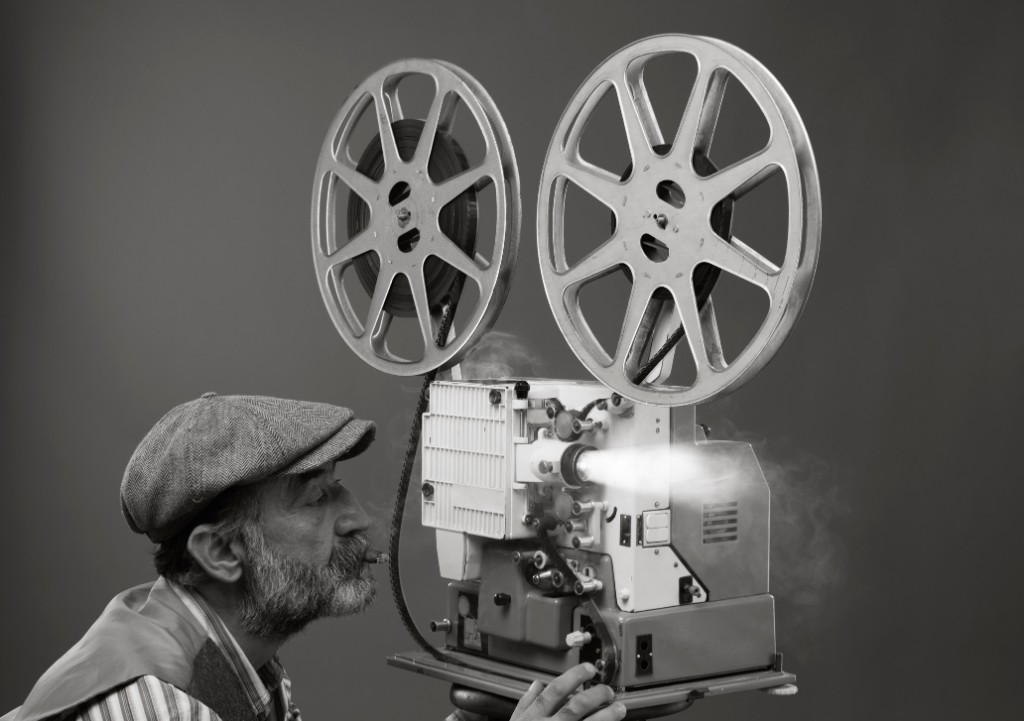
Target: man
[258,534]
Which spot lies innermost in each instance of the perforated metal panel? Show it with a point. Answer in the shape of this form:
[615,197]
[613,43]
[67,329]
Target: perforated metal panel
[467,441]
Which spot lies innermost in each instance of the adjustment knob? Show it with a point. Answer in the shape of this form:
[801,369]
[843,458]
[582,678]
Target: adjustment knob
[502,599]
[578,639]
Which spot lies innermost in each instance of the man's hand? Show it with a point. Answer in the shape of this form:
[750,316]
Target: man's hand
[540,702]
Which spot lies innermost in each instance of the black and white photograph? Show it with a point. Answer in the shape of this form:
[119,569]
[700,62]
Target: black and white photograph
[497,361]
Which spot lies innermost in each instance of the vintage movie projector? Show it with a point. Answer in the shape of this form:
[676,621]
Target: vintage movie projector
[576,521]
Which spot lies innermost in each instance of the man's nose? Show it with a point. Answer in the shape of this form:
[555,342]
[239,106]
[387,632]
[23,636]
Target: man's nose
[352,518]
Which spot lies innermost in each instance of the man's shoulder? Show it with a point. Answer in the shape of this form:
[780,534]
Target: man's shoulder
[147,698]
[143,631]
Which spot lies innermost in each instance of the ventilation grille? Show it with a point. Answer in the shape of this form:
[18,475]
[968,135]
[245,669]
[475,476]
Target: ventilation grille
[466,444]
[444,511]
[721,522]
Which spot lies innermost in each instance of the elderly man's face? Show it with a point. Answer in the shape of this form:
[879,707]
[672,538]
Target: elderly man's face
[306,559]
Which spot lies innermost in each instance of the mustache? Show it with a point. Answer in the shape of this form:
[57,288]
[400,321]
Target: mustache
[350,552]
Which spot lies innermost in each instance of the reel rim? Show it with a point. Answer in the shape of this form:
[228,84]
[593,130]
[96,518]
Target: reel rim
[787,285]
[454,88]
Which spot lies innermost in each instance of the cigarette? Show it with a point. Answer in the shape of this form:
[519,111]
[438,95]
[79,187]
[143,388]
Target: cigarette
[376,557]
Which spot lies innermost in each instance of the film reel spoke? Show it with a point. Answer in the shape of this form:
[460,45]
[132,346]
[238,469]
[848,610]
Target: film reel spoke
[598,182]
[419,294]
[363,243]
[741,260]
[375,314]
[693,325]
[697,126]
[605,258]
[475,269]
[711,336]
[741,177]
[440,116]
[637,320]
[446,191]
[642,130]
[386,115]
[364,187]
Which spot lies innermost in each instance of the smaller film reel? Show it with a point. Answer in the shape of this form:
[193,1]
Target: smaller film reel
[672,223]
[397,220]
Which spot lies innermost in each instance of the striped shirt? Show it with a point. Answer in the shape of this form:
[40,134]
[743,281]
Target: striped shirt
[147,698]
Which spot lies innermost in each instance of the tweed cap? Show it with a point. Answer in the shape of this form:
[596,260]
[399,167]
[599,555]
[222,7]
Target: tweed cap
[203,447]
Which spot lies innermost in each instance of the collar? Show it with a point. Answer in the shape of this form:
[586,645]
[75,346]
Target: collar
[258,685]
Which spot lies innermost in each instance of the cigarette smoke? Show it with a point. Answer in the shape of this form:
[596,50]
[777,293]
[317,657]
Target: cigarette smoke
[501,355]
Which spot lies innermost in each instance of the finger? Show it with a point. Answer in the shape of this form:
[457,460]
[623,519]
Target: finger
[551,698]
[615,712]
[530,696]
[584,702]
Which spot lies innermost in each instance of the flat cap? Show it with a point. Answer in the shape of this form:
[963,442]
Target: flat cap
[203,447]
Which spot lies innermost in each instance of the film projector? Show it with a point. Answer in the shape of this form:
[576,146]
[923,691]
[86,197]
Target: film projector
[562,536]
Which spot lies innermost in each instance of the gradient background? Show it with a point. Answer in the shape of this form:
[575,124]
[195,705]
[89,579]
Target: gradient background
[158,165]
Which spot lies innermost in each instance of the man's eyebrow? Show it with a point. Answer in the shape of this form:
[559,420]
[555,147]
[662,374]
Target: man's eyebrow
[297,482]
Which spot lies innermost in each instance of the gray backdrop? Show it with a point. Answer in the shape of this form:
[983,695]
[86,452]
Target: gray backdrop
[158,165]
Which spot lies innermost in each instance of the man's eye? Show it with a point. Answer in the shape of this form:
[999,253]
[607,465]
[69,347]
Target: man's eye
[320,499]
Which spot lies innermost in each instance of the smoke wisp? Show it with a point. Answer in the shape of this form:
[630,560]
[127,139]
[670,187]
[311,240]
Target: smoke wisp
[501,355]
[808,510]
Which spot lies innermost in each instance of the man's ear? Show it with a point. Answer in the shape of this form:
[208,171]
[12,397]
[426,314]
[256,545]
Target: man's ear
[221,558]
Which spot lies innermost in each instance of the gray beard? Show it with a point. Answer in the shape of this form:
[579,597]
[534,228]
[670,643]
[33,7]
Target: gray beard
[282,595]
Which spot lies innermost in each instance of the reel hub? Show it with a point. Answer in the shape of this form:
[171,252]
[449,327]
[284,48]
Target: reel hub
[457,220]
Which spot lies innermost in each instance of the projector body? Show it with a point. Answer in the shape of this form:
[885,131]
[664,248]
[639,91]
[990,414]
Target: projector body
[676,563]
[579,521]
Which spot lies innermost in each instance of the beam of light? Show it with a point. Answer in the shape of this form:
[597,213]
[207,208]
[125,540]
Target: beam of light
[632,467]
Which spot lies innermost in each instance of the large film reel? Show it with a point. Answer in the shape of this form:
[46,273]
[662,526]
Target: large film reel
[410,216]
[671,193]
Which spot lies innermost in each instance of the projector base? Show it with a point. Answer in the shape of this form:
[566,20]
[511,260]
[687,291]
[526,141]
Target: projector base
[477,684]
